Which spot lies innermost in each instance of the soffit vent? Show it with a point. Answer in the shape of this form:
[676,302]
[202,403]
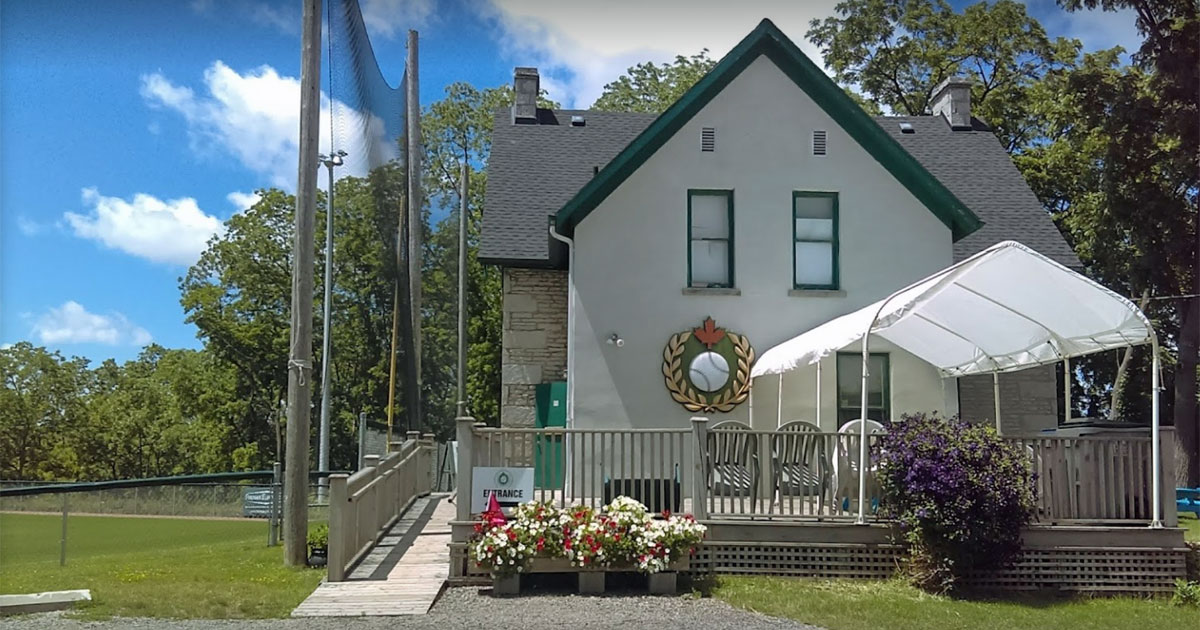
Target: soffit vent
[819,142]
[708,139]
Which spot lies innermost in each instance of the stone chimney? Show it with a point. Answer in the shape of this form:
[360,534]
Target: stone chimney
[526,87]
[952,99]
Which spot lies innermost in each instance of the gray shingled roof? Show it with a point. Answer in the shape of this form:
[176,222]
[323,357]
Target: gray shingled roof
[974,166]
[535,169]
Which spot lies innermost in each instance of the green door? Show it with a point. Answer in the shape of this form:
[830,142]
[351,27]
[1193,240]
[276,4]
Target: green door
[549,463]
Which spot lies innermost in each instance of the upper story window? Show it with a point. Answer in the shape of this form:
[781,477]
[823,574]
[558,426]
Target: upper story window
[710,238]
[815,240]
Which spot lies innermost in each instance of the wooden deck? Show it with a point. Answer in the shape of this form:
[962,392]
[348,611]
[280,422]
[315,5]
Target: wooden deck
[402,575]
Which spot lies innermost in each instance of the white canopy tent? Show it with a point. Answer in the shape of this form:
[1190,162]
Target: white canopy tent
[1004,309]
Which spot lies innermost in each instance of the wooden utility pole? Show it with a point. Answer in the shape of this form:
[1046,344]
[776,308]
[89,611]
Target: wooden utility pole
[299,396]
[461,407]
[413,121]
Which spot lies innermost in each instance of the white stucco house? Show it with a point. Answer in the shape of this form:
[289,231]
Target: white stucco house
[765,200]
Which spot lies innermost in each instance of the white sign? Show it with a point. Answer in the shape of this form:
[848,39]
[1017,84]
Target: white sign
[511,486]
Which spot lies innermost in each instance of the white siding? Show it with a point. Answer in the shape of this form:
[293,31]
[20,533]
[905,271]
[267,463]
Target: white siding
[631,256]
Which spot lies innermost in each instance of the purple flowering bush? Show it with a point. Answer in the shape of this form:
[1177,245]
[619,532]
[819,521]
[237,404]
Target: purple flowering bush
[960,494]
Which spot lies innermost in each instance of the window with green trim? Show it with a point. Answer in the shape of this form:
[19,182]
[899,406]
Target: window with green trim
[815,240]
[710,238]
[849,387]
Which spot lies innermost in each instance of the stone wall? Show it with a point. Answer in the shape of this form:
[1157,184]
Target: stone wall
[1029,399]
[535,340]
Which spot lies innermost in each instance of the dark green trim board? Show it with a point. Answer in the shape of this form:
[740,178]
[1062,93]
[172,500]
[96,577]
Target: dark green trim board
[767,39]
[728,194]
[835,285]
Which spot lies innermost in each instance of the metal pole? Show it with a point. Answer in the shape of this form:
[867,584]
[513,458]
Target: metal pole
[996,397]
[1067,389]
[273,532]
[62,541]
[779,403]
[362,438]
[295,489]
[1155,443]
[818,392]
[413,121]
[326,342]
[462,288]
[862,445]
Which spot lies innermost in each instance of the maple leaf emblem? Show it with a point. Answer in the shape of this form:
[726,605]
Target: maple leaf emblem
[709,334]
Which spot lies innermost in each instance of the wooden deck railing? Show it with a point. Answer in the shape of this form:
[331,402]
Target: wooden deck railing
[720,473]
[1098,479]
[363,506]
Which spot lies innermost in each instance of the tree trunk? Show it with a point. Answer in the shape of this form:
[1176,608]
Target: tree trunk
[1187,422]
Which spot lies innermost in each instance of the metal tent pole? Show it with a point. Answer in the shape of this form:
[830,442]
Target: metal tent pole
[996,397]
[1155,450]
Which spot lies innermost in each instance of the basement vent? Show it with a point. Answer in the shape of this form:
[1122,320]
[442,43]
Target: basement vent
[819,142]
[708,139]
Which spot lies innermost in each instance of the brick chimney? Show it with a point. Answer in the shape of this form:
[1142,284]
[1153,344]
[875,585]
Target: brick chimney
[952,99]
[526,87]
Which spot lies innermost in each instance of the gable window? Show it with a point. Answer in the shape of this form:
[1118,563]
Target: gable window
[849,387]
[815,240]
[710,238]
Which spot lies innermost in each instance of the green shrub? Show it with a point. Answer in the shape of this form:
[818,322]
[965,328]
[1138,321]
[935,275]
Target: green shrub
[1186,594]
[318,535]
[960,494]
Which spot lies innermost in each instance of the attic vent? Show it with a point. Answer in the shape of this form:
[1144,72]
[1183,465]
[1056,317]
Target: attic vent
[578,121]
[818,142]
[907,128]
[708,139]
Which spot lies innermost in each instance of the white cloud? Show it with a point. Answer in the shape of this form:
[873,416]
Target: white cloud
[579,47]
[243,201]
[255,118]
[72,323]
[28,227]
[389,17]
[286,21]
[173,231]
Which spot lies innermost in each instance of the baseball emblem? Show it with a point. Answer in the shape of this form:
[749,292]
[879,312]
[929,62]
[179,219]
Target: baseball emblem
[707,368]
[709,371]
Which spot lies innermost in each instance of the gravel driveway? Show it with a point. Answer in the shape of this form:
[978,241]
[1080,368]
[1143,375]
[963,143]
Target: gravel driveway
[465,607]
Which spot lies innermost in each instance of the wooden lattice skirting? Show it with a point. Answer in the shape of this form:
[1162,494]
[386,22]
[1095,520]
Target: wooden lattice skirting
[1079,569]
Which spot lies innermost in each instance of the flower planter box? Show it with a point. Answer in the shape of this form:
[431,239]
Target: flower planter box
[590,580]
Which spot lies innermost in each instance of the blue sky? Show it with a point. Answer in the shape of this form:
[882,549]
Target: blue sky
[131,129]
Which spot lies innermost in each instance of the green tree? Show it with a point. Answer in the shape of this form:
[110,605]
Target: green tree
[238,296]
[455,128]
[652,88]
[41,404]
[896,52]
[1144,151]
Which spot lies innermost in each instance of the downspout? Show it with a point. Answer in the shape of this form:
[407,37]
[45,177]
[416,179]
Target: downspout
[570,347]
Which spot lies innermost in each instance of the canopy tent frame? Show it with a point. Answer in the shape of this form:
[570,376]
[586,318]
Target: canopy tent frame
[1016,360]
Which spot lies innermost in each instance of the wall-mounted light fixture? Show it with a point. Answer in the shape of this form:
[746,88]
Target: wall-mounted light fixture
[616,340]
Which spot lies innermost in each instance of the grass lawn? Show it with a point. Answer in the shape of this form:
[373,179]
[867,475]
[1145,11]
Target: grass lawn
[154,567]
[850,605]
[1191,527]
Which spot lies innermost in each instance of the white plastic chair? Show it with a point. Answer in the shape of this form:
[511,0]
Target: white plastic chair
[846,464]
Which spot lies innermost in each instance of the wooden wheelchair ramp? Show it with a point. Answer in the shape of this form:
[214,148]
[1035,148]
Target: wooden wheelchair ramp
[402,575]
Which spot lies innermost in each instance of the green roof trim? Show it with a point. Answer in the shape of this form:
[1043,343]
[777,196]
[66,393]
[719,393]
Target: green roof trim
[767,39]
